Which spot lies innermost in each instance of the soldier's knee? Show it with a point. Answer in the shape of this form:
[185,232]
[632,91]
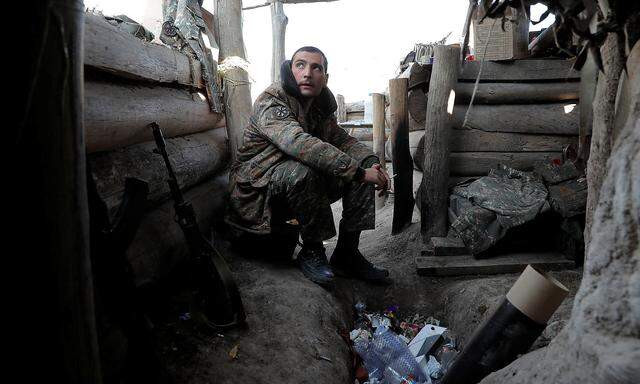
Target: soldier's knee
[303,176]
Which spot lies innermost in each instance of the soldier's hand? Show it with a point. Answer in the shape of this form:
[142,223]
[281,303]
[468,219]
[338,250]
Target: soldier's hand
[376,175]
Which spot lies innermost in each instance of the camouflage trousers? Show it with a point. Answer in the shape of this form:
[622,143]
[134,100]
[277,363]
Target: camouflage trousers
[300,192]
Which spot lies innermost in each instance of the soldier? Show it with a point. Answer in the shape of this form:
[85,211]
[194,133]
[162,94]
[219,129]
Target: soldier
[295,158]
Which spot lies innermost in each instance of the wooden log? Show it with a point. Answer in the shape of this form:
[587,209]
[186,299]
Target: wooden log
[194,158]
[110,49]
[379,137]
[517,93]
[341,112]
[237,88]
[520,70]
[479,141]
[278,31]
[117,115]
[417,100]
[433,190]
[159,245]
[402,163]
[556,119]
[479,163]
[419,76]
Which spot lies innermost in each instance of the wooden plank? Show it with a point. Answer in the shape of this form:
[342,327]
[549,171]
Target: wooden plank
[556,118]
[468,265]
[110,49]
[517,93]
[520,70]
[448,246]
[117,115]
[194,158]
[341,112]
[479,163]
[355,116]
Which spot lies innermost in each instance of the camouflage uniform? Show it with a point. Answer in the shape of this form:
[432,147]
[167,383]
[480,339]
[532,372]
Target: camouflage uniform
[295,164]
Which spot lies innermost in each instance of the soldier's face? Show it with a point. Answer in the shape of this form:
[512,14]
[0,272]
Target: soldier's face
[309,72]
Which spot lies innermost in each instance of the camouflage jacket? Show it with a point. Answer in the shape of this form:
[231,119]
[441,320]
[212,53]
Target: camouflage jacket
[280,130]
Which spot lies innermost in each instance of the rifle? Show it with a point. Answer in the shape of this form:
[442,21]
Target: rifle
[217,293]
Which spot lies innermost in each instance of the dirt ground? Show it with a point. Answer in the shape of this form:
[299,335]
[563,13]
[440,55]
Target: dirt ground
[295,328]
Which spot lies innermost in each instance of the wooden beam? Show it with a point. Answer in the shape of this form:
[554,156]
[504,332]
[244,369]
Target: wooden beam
[117,115]
[517,93]
[356,106]
[468,265]
[433,190]
[194,158]
[159,245]
[520,70]
[479,163]
[110,49]
[278,32]
[402,163]
[237,88]
[556,118]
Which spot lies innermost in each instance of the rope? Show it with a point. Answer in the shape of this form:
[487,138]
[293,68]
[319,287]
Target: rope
[475,87]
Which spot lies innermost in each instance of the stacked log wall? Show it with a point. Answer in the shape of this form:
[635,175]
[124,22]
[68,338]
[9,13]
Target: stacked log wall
[523,112]
[130,83]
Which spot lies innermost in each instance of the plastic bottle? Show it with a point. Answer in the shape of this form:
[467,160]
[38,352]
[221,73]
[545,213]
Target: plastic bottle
[395,354]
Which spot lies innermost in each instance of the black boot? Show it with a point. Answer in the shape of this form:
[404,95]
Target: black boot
[313,264]
[348,261]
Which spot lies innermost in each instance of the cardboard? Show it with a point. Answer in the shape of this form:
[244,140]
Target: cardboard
[536,294]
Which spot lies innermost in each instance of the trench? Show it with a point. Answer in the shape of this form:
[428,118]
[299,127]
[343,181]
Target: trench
[296,329]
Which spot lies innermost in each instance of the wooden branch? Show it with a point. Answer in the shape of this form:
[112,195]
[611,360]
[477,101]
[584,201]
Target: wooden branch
[117,115]
[557,118]
[237,89]
[115,51]
[433,190]
[278,32]
[402,164]
[194,158]
[520,70]
[159,245]
[517,93]
[479,163]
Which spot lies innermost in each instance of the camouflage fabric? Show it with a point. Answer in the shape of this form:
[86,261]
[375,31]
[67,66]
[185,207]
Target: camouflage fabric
[280,132]
[298,191]
[481,212]
[182,29]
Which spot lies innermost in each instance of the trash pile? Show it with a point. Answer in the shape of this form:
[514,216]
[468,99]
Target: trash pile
[415,350]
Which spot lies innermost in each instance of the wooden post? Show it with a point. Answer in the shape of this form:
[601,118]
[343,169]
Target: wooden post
[237,89]
[379,138]
[278,32]
[402,163]
[436,142]
[48,208]
[341,112]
